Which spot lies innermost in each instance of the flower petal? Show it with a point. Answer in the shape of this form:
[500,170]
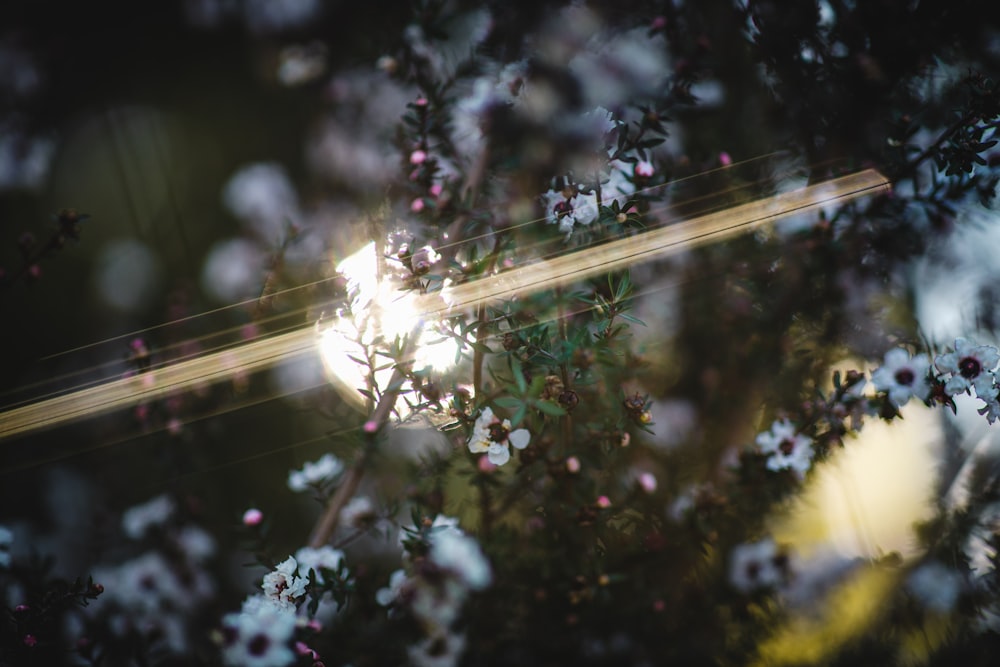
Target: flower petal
[519,438]
[498,454]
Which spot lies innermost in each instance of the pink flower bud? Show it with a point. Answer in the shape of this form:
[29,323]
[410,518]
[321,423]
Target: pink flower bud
[252,517]
[436,190]
[573,464]
[724,159]
[30,640]
[659,23]
[421,102]
[418,157]
[603,502]
[417,205]
[647,481]
[21,608]
[484,465]
[644,169]
[371,426]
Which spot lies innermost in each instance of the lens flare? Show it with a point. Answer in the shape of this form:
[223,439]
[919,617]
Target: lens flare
[380,314]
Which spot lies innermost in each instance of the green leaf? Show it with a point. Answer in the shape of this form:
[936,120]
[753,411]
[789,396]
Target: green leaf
[509,402]
[519,415]
[550,409]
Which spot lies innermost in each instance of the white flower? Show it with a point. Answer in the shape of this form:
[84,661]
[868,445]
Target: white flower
[258,638]
[394,591]
[136,521]
[494,437]
[461,556]
[283,585]
[196,543]
[6,541]
[315,474]
[970,365]
[325,557]
[757,565]
[358,513]
[787,449]
[901,376]
[992,407]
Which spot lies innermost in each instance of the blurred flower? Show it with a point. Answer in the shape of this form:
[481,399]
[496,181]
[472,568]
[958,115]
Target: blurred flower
[315,474]
[494,436]
[262,196]
[259,638]
[970,366]
[325,557]
[393,592]
[252,517]
[786,448]
[358,513]
[758,565]
[461,555]
[269,16]
[196,544]
[902,376]
[6,542]
[137,520]
[283,586]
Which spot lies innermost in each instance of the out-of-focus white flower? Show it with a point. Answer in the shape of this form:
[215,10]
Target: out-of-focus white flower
[493,436]
[358,512]
[136,521]
[902,376]
[262,196]
[258,638]
[315,474]
[300,64]
[461,556]
[936,586]
[758,565]
[393,592]
[440,650]
[6,542]
[787,449]
[325,557]
[196,544]
[970,365]
[283,585]
[24,160]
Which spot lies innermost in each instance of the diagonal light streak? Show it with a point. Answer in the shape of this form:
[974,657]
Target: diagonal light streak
[534,276]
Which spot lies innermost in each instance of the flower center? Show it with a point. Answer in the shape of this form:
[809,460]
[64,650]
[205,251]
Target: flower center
[787,446]
[498,432]
[969,367]
[905,377]
[259,644]
[753,571]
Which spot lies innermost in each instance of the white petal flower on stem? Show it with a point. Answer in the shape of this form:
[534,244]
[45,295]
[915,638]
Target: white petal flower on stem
[787,449]
[902,376]
[494,437]
[314,474]
[970,365]
[394,591]
[283,585]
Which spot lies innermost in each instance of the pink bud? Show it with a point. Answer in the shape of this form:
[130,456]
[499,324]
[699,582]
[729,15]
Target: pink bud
[436,190]
[573,464]
[603,502]
[659,23]
[484,465]
[644,169]
[371,426]
[421,102]
[417,157]
[30,640]
[647,481]
[724,159]
[21,608]
[659,606]
[417,205]
[302,649]
[34,272]
[249,331]
[174,426]
[252,517]
[314,625]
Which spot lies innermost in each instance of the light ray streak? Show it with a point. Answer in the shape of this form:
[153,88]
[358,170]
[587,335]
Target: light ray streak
[534,276]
